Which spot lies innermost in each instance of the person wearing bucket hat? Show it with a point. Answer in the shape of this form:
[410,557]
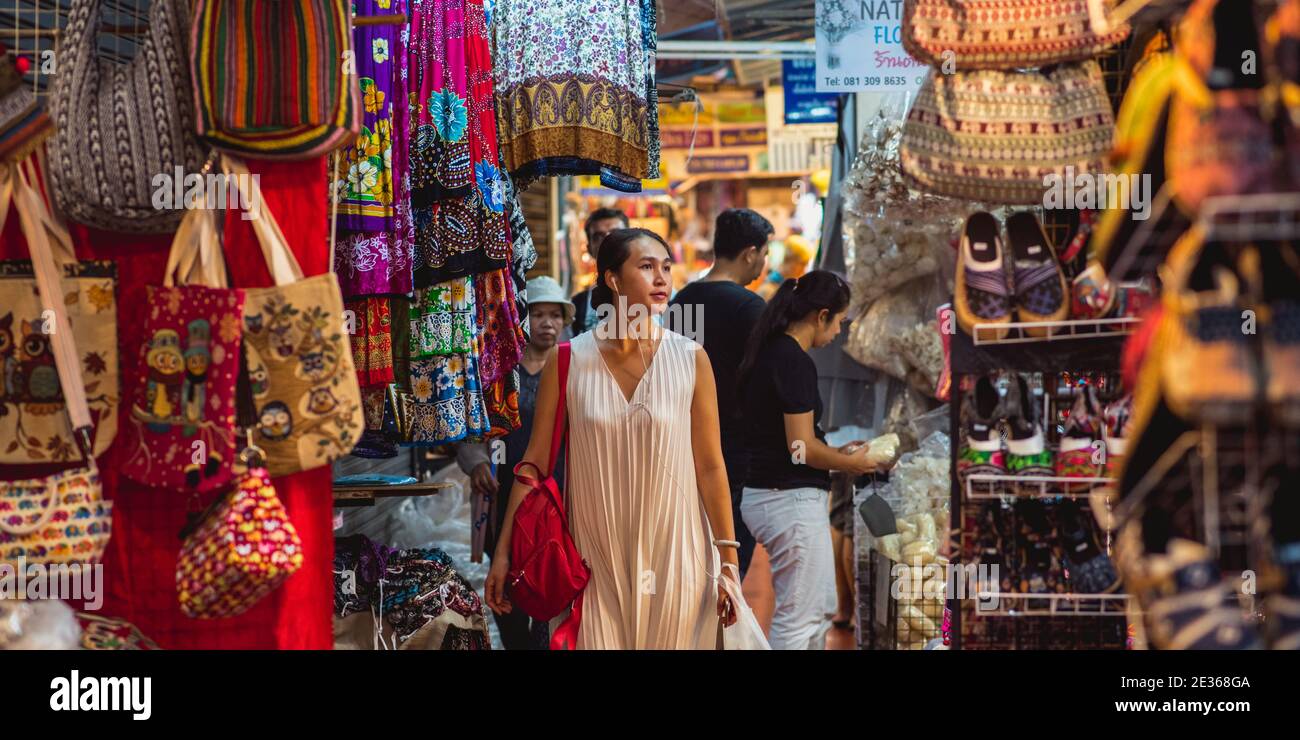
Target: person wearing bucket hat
[549,313]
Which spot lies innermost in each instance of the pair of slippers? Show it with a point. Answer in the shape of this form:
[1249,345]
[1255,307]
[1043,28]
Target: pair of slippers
[994,287]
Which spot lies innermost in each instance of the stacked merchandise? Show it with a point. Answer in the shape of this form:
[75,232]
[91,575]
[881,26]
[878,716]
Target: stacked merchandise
[236,366]
[1014,113]
[1206,500]
[403,599]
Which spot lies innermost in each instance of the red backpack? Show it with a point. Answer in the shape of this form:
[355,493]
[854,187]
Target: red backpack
[547,572]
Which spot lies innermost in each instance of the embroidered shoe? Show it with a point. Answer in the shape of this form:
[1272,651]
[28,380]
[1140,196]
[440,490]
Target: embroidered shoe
[1115,434]
[1208,368]
[1041,291]
[1090,570]
[1027,453]
[1079,455]
[1187,605]
[982,452]
[982,295]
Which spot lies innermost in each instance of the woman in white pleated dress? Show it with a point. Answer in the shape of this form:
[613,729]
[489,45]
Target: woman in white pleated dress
[648,501]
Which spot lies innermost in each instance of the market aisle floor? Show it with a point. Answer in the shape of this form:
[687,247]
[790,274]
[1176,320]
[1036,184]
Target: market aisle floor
[758,593]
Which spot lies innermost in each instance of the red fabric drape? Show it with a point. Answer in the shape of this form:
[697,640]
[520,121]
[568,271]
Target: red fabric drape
[139,567]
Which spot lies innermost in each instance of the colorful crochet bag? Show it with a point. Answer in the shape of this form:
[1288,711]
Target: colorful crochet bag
[243,548]
[996,137]
[303,378]
[181,433]
[1002,34]
[275,80]
[33,425]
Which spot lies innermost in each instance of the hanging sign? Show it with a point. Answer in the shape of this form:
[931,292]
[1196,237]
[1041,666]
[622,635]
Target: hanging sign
[749,137]
[860,48]
[730,163]
[803,104]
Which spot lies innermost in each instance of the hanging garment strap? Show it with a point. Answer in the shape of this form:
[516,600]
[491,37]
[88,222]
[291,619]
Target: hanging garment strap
[35,221]
[280,260]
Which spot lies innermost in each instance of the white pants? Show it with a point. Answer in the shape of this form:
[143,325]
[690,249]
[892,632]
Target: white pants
[794,527]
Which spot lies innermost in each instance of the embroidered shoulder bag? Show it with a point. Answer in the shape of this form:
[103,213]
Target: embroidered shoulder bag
[299,359]
[61,518]
[997,137]
[301,50]
[33,425]
[181,431]
[119,128]
[1002,34]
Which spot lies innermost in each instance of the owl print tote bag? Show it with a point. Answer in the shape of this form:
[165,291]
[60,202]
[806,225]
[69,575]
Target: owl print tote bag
[34,427]
[181,430]
[300,364]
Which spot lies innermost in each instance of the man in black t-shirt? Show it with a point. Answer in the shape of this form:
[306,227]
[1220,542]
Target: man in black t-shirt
[719,312]
[597,227]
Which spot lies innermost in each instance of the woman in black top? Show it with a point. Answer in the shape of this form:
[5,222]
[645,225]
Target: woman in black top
[785,501]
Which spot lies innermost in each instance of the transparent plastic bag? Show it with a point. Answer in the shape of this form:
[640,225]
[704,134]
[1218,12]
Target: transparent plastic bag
[892,234]
[745,634]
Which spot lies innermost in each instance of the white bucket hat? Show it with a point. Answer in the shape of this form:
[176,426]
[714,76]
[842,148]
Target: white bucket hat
[544,289]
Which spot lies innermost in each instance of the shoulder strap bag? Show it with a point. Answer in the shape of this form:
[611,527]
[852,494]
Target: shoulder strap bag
[61,518]
[547,571]
[123,133]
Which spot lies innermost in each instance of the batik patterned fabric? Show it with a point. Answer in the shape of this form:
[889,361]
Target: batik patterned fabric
[446,401]
[368,182]
[444,319]
[239,554]
[502,401]
[503,337]
[429,604]
[372,342]
[457,190]
[377,263]
[376,256]
[572,88]
[650,36]
[523,253]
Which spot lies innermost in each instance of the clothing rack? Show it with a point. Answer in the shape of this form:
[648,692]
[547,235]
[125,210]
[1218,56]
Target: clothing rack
[395,19]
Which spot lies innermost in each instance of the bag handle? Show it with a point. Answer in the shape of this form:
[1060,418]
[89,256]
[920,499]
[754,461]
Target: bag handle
[557,433]
[195,256]
[280,260]
[61,250]
[49,286]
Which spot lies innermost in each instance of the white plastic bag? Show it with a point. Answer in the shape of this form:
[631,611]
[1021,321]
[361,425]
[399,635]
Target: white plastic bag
[745,634]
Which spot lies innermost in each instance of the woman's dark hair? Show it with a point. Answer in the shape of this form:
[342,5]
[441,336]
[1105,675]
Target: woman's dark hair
[614,251]
[796,298]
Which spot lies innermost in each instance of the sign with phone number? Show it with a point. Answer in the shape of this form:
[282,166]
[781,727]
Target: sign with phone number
[860,48]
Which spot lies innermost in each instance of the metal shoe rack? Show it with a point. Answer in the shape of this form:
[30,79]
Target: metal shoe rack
[1008,619]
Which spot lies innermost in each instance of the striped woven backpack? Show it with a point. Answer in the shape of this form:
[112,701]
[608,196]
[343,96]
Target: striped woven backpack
[275,80]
